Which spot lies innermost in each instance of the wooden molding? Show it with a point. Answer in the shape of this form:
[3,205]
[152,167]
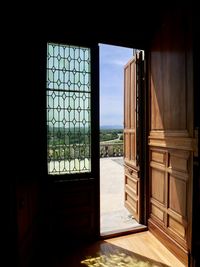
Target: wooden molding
[167,133]
[131,164]
[172,139]
[172,142]
[181,253]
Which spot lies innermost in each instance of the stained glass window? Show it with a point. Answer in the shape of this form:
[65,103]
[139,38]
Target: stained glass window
[68,92]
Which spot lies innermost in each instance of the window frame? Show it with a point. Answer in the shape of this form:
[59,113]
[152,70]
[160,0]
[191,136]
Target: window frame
[95,169]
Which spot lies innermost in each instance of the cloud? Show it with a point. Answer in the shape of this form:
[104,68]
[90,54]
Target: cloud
[118,63]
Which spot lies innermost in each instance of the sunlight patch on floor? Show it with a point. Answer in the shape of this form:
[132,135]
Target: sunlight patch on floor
[118,259]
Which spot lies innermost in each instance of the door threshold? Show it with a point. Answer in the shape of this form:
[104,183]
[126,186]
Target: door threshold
[127,231]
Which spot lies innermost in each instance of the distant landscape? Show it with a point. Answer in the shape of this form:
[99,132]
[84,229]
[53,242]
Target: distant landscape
[111,141]
[69,136]
[111,134]
[113,127]
[74,143]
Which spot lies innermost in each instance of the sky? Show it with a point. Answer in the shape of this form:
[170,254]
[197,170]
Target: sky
[112,61]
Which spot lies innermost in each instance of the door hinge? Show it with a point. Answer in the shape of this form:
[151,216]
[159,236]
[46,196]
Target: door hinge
[196,141]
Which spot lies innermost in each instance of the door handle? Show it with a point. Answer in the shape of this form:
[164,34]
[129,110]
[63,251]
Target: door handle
[130,171]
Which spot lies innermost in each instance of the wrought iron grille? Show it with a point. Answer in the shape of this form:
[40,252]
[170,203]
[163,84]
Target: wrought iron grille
[68,109]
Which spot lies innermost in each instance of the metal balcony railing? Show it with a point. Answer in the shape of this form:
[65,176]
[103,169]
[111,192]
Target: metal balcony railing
[109,149]
[81,151]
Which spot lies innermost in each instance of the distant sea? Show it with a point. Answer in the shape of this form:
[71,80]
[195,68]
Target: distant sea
[111,127]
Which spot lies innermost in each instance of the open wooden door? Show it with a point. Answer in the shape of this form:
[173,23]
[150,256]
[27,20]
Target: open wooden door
[172,143]
[133,75]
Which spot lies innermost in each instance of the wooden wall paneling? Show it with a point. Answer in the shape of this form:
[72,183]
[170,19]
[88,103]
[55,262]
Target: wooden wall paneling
[155,76]
[157,189]
[171,139]
[158,185]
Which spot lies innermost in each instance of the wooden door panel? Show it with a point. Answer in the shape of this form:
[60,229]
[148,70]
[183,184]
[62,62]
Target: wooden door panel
[171,136]
[177,195]
[158,212]
[158,185]
[131,138]
[132,188]
[169,190]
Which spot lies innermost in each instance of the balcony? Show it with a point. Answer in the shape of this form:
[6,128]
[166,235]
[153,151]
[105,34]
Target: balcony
[110,149]
[114,216]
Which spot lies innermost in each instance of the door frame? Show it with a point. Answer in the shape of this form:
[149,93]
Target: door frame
[95,160]
[144,126]
[54,185]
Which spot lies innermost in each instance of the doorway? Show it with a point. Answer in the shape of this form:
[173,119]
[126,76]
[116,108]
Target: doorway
[116,204]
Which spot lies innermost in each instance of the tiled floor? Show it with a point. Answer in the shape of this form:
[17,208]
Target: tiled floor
[114,216]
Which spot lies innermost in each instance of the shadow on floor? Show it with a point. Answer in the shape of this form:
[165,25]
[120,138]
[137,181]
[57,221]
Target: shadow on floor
[99,254]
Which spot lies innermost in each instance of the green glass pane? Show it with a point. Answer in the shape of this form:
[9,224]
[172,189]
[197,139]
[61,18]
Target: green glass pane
[68,109]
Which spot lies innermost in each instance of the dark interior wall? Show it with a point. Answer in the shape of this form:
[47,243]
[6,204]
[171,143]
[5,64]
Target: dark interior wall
[30,190]
[40,208]
[27,146]
[75,215]
[27,198]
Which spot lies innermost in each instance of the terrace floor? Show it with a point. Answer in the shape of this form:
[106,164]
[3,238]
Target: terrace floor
[114,216]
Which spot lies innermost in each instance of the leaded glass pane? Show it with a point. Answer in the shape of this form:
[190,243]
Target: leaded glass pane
[68,109]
